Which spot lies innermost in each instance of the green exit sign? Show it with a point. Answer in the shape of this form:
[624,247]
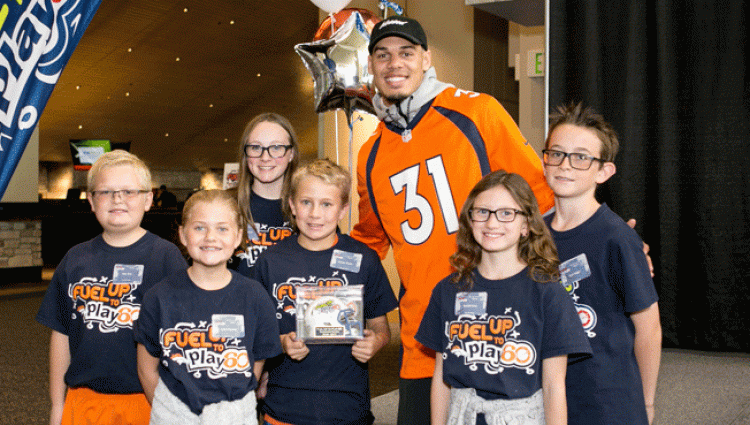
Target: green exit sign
[535,63]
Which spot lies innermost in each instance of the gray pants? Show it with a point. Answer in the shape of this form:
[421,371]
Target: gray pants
[466,404]
[167,409]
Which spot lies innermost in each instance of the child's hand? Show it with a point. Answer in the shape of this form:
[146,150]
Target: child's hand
[646,248]
[293,348]
[365,348]
[262,389]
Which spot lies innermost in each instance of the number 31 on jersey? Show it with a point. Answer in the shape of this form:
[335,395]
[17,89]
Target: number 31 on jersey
[407,181]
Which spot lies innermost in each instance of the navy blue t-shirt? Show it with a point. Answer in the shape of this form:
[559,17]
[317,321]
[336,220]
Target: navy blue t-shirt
[604,270]
[95,298]
[208,341]
[270,228]
[328,386]
[494,336]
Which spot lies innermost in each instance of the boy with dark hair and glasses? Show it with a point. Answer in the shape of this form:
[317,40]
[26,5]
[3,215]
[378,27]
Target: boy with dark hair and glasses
[604,269]
[95,297]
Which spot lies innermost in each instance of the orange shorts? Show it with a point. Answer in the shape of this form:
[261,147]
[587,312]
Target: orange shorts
[271,421]
[87,407]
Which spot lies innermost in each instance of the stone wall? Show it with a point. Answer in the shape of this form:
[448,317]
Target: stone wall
[20,244]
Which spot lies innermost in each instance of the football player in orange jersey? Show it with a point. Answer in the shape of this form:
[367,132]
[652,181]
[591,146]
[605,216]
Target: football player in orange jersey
[434,143]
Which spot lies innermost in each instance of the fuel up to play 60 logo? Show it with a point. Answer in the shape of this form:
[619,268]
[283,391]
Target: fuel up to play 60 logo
[260,239]
[198,349]
[490,341]
[105,303]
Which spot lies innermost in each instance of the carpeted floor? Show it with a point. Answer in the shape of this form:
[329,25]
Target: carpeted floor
[694,387]
[24,360]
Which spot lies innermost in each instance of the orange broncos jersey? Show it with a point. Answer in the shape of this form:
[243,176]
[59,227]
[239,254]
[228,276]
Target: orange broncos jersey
[412,187]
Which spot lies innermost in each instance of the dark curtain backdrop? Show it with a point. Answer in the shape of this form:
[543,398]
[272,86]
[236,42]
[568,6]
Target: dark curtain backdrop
[671,76]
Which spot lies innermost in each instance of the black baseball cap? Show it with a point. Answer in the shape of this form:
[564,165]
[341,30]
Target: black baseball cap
[398,26]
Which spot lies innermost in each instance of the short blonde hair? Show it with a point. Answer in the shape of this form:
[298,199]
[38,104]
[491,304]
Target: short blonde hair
[226,197]
[116,158]
[326,171]
[214,195]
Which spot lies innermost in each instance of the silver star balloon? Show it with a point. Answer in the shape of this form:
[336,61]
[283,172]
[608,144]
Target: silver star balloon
[339,68]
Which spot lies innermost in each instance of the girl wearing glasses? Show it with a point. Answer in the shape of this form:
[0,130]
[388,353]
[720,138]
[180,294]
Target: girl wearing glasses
[502,326]
[268,154]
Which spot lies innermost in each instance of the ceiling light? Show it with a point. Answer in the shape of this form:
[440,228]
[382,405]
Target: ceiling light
[177,59]
[211,105]
[184,10]
[80,126]
[78,87]
[130,49]
[231,22]
[258,74]
[226,140]
[127,94]
[166,134]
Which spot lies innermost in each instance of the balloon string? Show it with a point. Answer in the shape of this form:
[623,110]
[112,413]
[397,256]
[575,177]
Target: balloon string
[336,133]
[333,23]
[351,157]
[351,148]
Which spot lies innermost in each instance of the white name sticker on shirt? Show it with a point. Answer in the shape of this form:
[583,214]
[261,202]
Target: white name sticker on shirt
[129,274]
[471,303]
[347,261]
[227,325]
[574,270]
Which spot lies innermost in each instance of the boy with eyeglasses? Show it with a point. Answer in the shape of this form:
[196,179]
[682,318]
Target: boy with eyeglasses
[604,269]
[95,297]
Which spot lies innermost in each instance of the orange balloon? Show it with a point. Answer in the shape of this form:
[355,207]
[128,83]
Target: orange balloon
[324,30]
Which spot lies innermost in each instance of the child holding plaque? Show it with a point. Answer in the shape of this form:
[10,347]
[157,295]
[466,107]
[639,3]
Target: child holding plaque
[322,383]
[204,333]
